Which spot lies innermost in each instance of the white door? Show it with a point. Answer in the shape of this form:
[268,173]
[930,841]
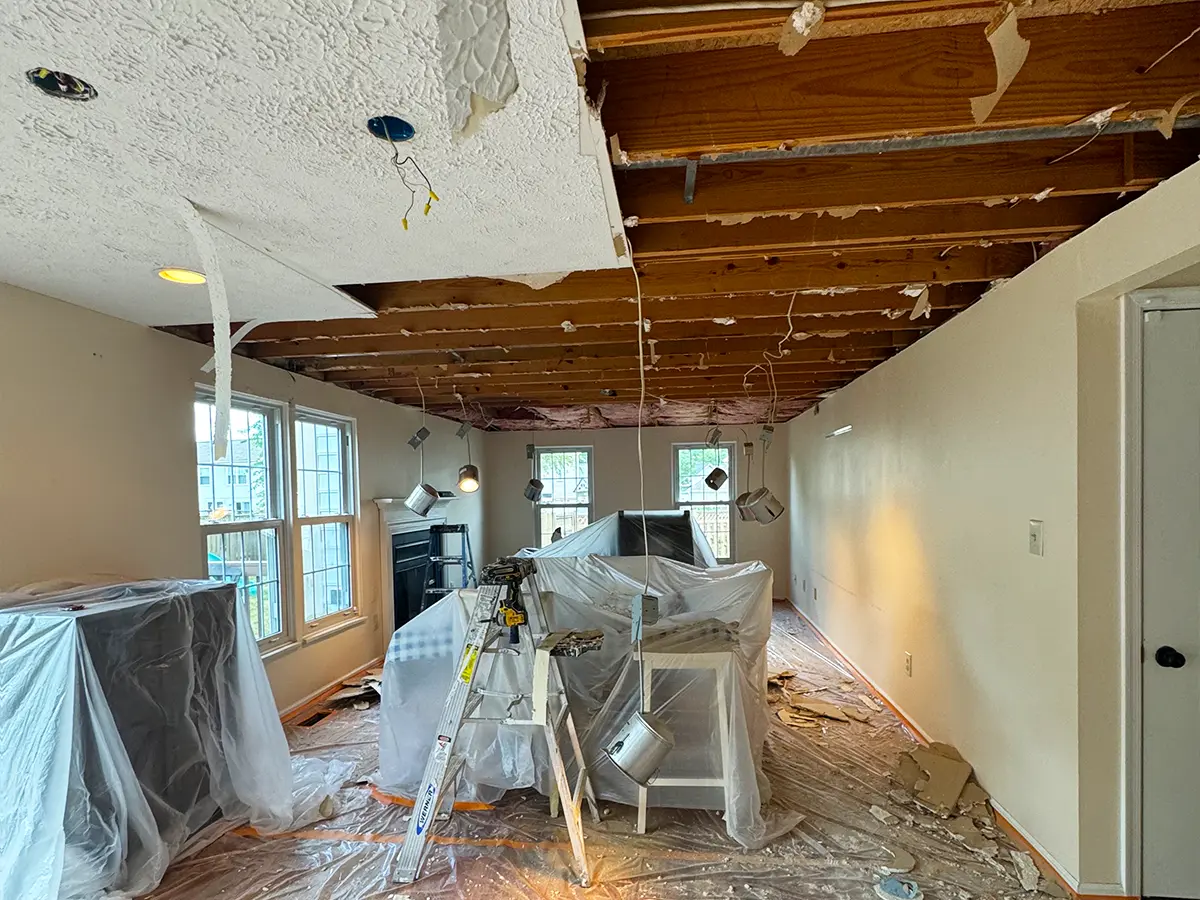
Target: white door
[1171,604]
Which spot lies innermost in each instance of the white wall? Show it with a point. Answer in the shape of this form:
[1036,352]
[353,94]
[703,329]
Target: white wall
[510,522]
[98,464]
[913,528]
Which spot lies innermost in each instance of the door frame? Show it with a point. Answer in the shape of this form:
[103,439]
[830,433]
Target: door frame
[1133,306]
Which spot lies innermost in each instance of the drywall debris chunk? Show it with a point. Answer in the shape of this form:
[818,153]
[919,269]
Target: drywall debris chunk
[900,798]
[568,326]
[1027,870]
[921,308]
[793,719]
[631,221]
[1167,118]
[1010,51]
[1042,195]
[908,773]
[725,320]
[536,281]
[963,829]
[973,802]
[870,702]
[776,679]
[884,816]
[819,708]
[800,26]
[477,66]
[646,325]
[945,775]
[1100,117]
[1054,889]
[902,861]
[856,714]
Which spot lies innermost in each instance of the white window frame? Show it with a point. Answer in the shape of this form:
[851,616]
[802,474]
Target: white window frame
[731,449]
[279,492]
[350,518]
[537,473]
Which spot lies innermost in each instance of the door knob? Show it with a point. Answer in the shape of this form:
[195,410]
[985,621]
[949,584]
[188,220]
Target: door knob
[1169,658]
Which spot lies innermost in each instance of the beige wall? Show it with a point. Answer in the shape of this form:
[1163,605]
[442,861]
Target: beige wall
[913,528]
[97,464]
[510,523]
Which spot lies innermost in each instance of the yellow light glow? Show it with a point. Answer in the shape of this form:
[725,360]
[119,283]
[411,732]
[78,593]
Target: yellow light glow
[181,276]
[468,485]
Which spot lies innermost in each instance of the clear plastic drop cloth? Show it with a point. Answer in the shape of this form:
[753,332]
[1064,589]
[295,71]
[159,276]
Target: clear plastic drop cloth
[705,671]
[619,534]
[133,719]
[830,772]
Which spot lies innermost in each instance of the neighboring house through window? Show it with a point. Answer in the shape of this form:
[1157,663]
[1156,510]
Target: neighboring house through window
[289,556]
[566,504]
[711,509]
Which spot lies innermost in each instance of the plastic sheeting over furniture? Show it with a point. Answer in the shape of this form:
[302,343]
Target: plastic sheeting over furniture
[604,538]
[726,610]
[134,715]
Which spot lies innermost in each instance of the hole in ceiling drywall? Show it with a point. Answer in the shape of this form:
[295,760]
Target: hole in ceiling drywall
[60,84]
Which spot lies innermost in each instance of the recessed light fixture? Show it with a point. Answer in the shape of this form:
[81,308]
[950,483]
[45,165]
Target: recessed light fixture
[181,276]
[60,84]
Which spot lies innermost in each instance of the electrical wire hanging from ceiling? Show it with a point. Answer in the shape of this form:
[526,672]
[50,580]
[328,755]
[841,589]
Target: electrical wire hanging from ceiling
[399,165]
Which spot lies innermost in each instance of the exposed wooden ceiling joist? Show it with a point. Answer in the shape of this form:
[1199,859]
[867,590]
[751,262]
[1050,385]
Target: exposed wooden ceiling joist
[1109,165]
[1053,219]
[659,311]
[517,339]
[623,37]
[883,85]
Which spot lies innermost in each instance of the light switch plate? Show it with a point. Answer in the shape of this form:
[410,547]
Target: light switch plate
[1037,540]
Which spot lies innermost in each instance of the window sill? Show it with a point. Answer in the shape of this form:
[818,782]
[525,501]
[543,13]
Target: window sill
[330,630]
[272,653]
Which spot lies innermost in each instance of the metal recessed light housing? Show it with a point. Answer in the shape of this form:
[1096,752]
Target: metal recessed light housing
[60,84]
[419,438]
[181,276]
[714,437]
[468,479]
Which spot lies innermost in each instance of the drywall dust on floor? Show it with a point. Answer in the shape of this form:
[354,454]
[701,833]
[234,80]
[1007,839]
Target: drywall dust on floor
[858,826]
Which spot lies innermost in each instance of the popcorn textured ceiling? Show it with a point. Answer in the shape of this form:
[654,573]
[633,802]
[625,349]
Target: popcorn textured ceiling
[257,112]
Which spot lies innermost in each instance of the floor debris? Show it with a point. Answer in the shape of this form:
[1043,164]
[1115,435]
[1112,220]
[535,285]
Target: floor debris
[898,889]
[1027,870]
[944,775]
[884,816]
[830,772]
[820,708]
[901,862]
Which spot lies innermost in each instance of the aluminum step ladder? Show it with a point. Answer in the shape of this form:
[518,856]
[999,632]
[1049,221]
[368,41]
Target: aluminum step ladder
[436,583]
[497,617]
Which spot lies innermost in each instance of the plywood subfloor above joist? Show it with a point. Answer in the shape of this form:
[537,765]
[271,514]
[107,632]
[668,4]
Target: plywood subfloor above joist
[887,85]
[611,35]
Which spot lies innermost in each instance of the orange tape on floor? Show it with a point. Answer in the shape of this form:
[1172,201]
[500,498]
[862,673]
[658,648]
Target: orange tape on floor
[397,800]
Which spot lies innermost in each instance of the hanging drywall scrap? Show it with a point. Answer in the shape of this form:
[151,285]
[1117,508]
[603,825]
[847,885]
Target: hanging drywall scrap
[477,64]
[219,303]
[1167,118]
[801,26]
[396,131]
[60,84]
[1010,51]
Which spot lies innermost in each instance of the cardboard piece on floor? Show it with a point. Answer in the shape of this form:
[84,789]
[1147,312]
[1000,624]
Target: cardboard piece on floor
[945,776]
[820,708]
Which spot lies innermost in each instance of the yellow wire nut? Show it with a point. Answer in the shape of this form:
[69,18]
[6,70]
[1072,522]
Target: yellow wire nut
[427,208]
[404,222]
[433,196]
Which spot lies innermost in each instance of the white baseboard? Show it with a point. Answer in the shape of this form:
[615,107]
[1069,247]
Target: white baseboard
[1066,874]
[299,704]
